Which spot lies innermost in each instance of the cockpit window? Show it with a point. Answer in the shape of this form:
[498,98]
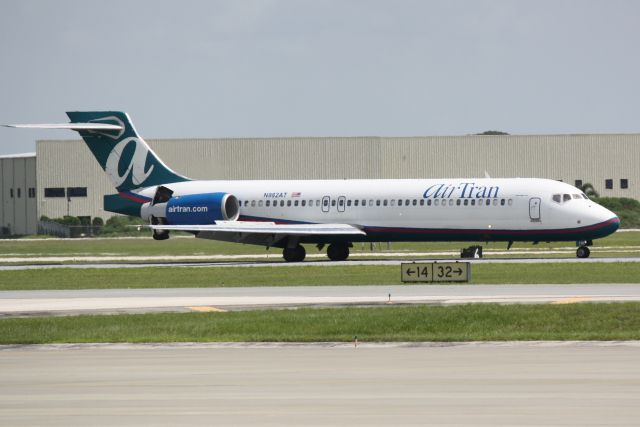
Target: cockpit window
[577,196]
[557,198]
[566,197]
[584,196]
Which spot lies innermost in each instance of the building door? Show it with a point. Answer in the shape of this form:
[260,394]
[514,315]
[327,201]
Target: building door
[534,209]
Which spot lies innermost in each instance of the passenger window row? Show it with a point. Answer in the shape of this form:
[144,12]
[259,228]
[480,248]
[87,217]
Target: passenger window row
[383,202]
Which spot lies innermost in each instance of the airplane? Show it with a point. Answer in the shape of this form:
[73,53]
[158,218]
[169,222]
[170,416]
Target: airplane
[288,213]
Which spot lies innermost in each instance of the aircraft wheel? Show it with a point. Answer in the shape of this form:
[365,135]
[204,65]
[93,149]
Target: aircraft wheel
[296,254]
[583,252]
[338,252]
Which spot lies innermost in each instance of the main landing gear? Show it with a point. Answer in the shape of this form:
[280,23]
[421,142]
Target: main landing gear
[338,251]
[335,252]
[295,254]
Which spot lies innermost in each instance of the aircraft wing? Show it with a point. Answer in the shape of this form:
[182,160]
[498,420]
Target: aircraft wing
[254,227]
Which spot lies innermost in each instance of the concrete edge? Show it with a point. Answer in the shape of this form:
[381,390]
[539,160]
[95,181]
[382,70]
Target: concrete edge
[313,345]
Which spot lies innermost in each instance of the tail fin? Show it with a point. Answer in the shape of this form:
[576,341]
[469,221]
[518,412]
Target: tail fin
[126,158]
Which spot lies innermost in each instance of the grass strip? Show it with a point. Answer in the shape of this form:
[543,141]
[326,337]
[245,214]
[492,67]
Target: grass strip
[167,277]
[477,322]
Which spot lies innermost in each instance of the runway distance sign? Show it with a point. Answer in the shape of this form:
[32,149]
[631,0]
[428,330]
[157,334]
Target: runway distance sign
[435,272]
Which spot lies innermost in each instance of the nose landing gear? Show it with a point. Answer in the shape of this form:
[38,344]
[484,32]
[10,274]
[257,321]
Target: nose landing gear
[583,248]
[583,252]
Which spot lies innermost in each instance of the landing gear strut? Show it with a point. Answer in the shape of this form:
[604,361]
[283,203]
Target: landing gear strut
[583,252]
[295,254]
[338,251]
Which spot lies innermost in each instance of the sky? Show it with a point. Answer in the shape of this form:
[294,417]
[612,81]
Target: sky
[269,68]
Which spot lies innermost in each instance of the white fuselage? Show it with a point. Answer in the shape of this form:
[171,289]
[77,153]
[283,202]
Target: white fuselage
[422,209]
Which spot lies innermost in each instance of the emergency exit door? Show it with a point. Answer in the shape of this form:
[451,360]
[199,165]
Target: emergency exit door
[534,209]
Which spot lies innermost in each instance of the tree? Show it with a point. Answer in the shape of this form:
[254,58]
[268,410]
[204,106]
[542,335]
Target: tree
[588,189]
[492,132]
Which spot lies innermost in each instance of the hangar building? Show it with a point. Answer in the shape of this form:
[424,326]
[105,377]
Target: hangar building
[70,181]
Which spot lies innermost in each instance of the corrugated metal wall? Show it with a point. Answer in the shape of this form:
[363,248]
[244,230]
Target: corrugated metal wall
[591,158]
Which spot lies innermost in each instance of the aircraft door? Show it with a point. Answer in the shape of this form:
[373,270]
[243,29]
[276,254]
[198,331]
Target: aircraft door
[342,201]
[534,209]
[326,203]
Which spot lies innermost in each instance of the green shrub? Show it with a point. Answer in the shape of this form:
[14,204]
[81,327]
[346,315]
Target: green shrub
[97,222]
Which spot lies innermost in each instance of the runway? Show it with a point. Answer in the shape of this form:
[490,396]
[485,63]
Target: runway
[92,262]
[69,302]
[473,384]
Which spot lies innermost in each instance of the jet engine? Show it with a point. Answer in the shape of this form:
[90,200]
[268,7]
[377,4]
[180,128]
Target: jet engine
[189,209]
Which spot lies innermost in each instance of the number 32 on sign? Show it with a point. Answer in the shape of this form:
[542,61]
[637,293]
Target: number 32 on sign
[435,272]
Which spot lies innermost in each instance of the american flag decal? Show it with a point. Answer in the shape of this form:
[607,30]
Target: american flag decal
[296,194]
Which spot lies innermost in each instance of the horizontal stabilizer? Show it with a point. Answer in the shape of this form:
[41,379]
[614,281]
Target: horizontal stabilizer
[267,228]
[72,126]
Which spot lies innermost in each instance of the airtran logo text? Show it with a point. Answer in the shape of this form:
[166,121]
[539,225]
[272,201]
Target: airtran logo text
[462,190]
[136,163]
[187,209]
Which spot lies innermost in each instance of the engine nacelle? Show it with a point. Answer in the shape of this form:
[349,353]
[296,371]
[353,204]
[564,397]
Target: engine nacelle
[195,209]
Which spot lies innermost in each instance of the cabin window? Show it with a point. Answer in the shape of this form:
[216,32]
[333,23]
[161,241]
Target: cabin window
[608,184]
[303,203]
[435,202]
[466,202]
[429,202]
[458,202]
[325,202]
[557,198]
[479,202]
[384,202]
[407,202]
[473,202]
[495,202]
[333,202]
[566,197]
[341,202]
[510,202]
[281,203]
[377,202]
[399,202]
[260,203]
[348,202]
[317,203]
[253,203]
[487,203]
[414,202]
[502,202]
[421,202]
[392,202]
[295,203]
[370,202]
[364,203]
[355,202]
[624,183]
[450,202]
[268,203]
